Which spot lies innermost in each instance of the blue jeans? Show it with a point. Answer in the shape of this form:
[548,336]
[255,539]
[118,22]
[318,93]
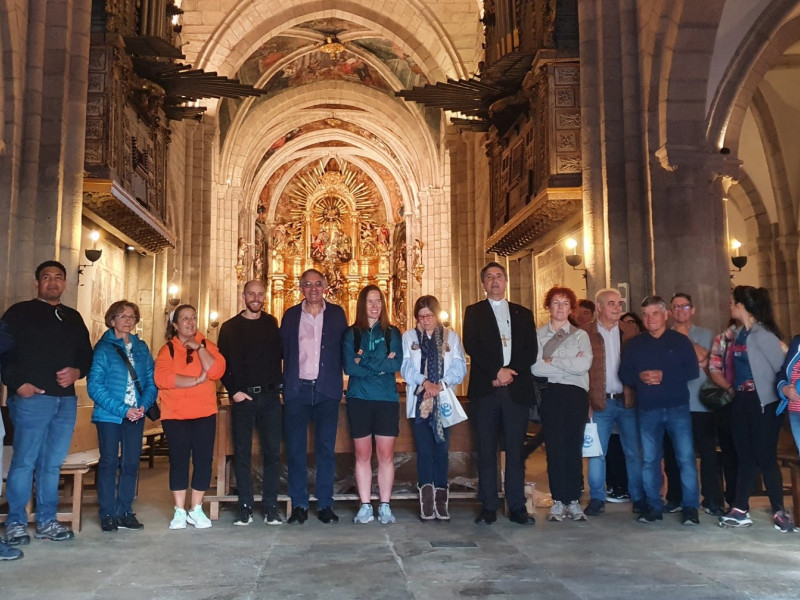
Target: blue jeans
[677,423]
[120,449]
[794,421]
[299,411]
[432,458]
[627,423]
[42,433]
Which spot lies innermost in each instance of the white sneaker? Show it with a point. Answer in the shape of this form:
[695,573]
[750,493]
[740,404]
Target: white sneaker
[365,514]
[385,515]
[179,520]
[575,512]
[556,511]
[198,518]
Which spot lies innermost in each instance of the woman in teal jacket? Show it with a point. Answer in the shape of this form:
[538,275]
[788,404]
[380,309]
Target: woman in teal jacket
[120,402]
[372,352]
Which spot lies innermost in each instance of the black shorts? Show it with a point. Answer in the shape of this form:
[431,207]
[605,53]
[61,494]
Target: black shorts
[373,417]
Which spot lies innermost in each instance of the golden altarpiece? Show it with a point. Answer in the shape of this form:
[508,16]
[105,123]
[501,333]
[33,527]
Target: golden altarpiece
[332,218]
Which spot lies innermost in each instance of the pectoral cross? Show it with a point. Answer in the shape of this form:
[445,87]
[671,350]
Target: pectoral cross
[505,340]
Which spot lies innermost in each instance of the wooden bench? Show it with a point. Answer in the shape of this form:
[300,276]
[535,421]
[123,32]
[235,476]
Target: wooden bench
[84,456]
[74,467]
[152,437]
[461,440]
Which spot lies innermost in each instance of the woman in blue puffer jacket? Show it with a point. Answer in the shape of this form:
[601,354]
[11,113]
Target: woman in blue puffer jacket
[120,402]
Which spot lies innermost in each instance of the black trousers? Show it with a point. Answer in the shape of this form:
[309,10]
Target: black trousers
[565,410]
[190,440]
[264,414]
[616,469]
[493,416]
[704,433]
[755,436]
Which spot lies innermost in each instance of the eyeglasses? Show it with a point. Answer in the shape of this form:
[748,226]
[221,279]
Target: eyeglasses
[312,284]
[425,317]
[59,314]
[189,355]
[681,307]
[126,317]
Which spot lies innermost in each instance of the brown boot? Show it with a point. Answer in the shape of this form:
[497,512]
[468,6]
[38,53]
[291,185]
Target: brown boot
[442,498]
[426,509]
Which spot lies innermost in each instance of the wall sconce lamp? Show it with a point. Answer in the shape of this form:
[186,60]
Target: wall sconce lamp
[213,319]
[737,259]
[92,254]
[174,298]
[444,318]
[574,259]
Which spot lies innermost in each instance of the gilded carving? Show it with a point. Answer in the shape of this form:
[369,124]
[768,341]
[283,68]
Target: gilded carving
[568,164]
[568,119]
[567,75]
[565,97]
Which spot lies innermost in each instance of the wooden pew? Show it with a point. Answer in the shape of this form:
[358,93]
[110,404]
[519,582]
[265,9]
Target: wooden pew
[83,457]
[461,440]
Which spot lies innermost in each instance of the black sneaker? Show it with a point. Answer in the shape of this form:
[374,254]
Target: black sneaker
[17,534]
[108,524]
[690,516]
[640,507]
[618,496]
[595,507]
[53,531]
[129,521]
[672,507]
[244,517]
[715,511]
[273,517]
[650,516]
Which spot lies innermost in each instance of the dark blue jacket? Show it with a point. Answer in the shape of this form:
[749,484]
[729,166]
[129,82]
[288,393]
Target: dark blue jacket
[673,354]
[108,378]
[329,381]
[373,377]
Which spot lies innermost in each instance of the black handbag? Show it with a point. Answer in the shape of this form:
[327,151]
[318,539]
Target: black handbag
[539,384]
[712,396]
[154,412]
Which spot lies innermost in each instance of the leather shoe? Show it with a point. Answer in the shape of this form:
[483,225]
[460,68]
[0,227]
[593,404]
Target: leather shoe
[487,517]
[326,515]
[299,515]
[521,517]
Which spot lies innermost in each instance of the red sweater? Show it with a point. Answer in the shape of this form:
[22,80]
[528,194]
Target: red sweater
[187,403]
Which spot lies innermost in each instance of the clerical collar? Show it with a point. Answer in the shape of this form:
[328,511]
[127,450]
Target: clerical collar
[497,302]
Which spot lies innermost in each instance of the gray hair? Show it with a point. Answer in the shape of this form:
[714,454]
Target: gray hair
[653,301]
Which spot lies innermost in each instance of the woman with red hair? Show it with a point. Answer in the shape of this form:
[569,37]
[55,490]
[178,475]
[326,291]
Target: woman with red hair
[564,359]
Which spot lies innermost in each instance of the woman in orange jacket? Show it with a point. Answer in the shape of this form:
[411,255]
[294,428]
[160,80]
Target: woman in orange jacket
[186,369]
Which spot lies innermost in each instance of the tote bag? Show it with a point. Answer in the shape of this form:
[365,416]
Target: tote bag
[450,409]
[591,441]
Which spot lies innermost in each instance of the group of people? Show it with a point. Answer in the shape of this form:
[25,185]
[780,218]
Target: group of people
[644,382]
[588,362]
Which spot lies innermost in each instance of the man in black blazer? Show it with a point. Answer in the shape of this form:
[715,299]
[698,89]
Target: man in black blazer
[500,338]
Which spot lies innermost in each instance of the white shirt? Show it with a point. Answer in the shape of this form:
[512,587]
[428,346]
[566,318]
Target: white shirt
[503,317]
[611,341]
[570,363]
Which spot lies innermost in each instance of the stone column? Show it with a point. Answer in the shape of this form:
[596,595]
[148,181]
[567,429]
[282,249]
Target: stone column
[691,251]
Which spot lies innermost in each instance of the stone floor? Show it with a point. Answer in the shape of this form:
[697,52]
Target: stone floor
[610,556]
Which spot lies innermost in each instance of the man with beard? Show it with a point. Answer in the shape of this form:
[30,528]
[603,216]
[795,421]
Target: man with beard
[251,345]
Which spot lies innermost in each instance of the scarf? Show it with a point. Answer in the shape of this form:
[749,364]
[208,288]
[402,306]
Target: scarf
[432,366]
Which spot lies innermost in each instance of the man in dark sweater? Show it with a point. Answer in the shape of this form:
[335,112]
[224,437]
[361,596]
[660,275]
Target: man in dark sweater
[52,351]
[251,345]
[659,365]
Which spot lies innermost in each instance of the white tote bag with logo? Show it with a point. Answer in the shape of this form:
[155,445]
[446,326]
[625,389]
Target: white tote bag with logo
[591,441]
[450,409]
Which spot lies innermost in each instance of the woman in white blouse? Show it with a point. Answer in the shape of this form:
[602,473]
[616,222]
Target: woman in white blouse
[565,355]
[433,359]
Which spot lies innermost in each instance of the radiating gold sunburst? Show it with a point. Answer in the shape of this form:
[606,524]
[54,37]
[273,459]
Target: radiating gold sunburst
[335,180]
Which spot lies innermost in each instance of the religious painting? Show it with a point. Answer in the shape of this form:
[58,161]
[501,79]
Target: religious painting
[268,55]
[408,73]
[318,65]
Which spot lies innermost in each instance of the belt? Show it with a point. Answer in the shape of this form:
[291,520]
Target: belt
[308,381]
[619,396]
[257,389]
